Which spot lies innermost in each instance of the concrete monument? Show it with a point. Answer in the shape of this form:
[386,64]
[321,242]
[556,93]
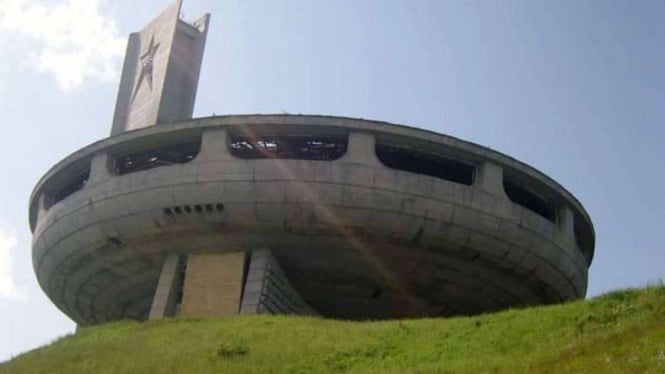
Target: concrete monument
[161,72]
[302,214]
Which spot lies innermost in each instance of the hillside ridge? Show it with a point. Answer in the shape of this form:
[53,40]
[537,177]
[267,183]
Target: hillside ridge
[623,331]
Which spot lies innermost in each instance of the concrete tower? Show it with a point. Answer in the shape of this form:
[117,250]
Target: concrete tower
[303,214]
[161,72]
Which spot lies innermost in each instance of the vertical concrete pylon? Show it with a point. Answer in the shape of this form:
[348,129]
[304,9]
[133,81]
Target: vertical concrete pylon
[99,168]
[214,146]
[361,149]
[490,179]
[166,293]
[566,221]
[161,71]
[268,290]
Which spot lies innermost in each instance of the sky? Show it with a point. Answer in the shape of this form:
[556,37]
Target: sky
[573,88]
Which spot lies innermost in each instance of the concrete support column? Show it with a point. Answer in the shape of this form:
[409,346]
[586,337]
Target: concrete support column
[213,284]
[166,294]
[214,146]
[490,179]
[267,289]
[100,168]
[566,221]
[41,206]
[361,149]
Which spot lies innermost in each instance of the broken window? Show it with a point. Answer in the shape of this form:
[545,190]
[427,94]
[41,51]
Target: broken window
[74,184]
[430,164]
[318,148]
[156,157]
[521,196]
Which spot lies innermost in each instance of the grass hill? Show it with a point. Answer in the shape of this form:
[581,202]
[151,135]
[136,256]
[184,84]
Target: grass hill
[621,332]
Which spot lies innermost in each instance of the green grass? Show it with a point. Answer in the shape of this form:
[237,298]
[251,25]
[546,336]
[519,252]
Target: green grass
[621,332]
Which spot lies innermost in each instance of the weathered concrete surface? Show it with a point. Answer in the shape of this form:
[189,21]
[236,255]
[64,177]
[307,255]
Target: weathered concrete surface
[170,279]
[268,290]
[355,239]
[213,284]
[161,72]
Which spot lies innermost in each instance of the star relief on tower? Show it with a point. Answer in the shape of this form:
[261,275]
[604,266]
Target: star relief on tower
[147,60]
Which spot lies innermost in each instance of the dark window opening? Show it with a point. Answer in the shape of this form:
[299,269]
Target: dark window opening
[318,148]
[182,270]
[425,163]
[583,239]
[156,157]
[75,184]
[529,200]
[198,208]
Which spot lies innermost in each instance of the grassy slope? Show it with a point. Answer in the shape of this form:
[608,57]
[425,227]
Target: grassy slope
[620,332]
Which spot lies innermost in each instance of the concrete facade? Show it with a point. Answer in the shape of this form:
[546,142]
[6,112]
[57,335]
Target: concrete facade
[294,214]
[161,72]
[355,238]
[165,300]
[213,284]
[267,289]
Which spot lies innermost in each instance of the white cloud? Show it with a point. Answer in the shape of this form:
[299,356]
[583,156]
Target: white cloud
[8,288]
[75,40]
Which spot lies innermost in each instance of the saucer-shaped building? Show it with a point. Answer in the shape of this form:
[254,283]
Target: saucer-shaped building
[319,215]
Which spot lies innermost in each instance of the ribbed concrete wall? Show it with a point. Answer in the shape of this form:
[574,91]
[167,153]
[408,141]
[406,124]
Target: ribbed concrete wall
[268,290]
